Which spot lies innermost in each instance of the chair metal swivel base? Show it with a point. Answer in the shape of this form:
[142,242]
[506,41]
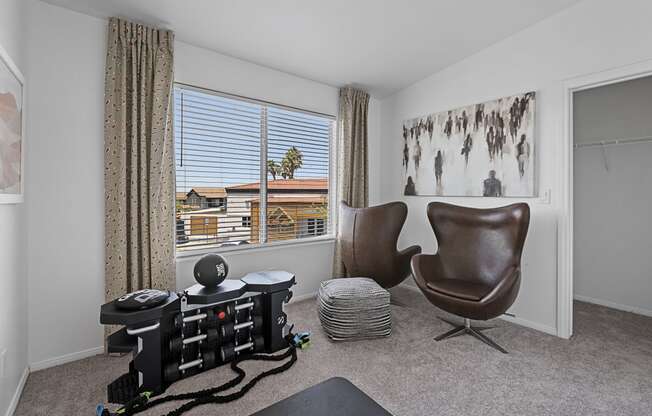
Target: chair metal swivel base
[468,329]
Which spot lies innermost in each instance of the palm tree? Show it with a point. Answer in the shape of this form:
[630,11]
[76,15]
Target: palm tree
[273,168]
[292,161]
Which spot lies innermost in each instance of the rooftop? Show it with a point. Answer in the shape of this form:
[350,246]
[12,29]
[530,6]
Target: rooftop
[209,192]
[294,200]
[317,184]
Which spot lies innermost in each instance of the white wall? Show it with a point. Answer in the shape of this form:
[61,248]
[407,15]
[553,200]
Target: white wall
[612,233]
[13,276]
[65,175]
[66,213]
[592,36]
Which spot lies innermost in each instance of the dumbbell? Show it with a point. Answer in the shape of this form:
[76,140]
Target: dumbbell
[187,323]
[211,321]
[242,315]
[208,319]
[211,337]
[229,329]
[229,351]
[255,303]
[179,319]
[172,371]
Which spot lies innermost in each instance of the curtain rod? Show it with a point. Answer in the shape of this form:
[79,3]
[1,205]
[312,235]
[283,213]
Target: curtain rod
[614,142]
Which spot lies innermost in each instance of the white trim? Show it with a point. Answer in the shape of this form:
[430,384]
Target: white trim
[64,359]
[613,305]
[253,248]
[305,296]
[512,319]
[11,65]
[13,404]
[551,330]
[565,228]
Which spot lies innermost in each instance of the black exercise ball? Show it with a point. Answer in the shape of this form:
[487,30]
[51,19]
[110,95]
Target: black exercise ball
[211,270]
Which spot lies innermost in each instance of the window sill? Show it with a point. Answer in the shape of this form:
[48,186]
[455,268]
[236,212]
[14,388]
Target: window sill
[255,248]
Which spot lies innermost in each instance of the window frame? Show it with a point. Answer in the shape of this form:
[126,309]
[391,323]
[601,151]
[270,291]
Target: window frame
[330,226]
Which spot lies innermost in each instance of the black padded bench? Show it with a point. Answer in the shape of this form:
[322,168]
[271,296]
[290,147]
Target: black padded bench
[335,396]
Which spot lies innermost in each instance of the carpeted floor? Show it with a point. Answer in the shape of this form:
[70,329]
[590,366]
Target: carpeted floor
[606,369]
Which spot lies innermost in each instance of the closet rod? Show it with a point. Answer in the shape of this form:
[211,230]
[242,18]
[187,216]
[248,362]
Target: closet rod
[614,142]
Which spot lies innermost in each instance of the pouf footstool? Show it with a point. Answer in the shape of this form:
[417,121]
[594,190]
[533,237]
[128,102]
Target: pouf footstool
[354,308]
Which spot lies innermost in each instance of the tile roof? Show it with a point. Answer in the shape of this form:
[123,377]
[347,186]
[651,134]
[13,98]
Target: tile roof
[210,192]
[294,200]
[286,184]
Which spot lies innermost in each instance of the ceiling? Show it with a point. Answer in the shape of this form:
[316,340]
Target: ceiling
[379,45]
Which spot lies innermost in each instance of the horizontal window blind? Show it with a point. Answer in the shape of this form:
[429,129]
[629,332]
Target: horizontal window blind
[219,172]
[217,145]
[297,200]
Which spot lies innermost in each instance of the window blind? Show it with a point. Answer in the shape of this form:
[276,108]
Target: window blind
[230,151]
[301,141]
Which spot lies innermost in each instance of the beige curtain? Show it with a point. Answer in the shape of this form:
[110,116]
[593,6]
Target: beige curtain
[352,171]
[138,159]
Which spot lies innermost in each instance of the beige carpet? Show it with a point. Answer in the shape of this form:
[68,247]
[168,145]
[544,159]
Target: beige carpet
[606,369]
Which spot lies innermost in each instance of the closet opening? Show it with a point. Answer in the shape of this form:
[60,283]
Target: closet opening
[612,204]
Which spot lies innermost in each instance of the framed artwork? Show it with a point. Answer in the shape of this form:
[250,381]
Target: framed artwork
[12,127]
[484,149]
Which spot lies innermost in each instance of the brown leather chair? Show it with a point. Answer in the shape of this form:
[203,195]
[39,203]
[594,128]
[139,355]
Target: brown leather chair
[369,237]
[476,272]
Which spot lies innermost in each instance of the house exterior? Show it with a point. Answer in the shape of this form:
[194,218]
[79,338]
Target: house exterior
[296,208]
[205,198]
[291,217]
[243,199]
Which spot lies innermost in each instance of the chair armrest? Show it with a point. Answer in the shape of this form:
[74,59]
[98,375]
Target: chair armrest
[404,257]
[504,285]
[410,252]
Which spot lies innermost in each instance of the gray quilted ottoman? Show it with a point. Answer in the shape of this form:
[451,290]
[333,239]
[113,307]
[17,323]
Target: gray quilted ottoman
[354,308]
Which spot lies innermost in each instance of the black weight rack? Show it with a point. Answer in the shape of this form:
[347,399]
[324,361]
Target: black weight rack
[196,330]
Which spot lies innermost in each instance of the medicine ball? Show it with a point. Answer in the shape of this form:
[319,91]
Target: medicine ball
[211,270]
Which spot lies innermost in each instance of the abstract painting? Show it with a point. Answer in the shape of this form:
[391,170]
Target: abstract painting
[484,149]
[11,131]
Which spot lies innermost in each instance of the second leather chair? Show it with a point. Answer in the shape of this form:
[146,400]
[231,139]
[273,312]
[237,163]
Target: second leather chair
[476,273]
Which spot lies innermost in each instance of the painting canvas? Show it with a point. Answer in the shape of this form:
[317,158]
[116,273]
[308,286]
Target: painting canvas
[484,149]
[11,130]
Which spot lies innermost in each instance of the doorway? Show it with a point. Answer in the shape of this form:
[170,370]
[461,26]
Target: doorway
[573,89]
[612,178]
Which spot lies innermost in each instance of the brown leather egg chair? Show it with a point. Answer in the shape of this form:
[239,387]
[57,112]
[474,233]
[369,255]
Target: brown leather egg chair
[476,272]
[369,237]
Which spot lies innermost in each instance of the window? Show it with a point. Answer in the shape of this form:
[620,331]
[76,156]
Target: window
[313,227]
[248,172]
[316,226]
[246,221]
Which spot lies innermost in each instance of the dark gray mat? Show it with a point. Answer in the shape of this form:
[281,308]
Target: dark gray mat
[335,396]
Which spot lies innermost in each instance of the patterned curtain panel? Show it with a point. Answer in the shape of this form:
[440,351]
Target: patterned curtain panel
[352,170]
[138,159]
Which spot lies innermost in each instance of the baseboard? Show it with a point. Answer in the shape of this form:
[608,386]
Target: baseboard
[305,296]
[512,319]
[68,358]
[64,359]
[529,324]
[613,305]
[19,392]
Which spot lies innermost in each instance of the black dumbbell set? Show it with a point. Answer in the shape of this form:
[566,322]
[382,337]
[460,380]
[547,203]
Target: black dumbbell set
[176,335]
